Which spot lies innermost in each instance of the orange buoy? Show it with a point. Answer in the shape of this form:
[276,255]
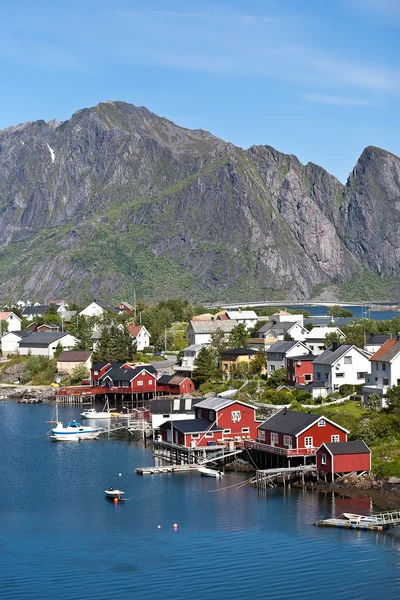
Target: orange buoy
[115,500]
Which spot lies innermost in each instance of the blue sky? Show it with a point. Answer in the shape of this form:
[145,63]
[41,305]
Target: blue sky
[315,78]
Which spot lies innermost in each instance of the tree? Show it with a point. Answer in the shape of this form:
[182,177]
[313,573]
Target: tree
[355,335]
[102,352]
[258,363]
[277,378]
[82,328]
[253,333]
[374,401]
[339,311]
[238,336]
[78,373]
[393,398]
[218,344]
[205,367]
[59,349]
[334,336]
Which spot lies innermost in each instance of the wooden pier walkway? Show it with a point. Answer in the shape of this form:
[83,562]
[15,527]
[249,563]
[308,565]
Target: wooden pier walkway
[165,469]
[266,477]
[379,521]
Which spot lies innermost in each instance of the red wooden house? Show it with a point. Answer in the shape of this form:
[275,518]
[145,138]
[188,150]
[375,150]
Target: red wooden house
[174,384]
[345,457]
[97,371]
[125,306]
[125,379]
[216,419]
[298,434]
[300,369]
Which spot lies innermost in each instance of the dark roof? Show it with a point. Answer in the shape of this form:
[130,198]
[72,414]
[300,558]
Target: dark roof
[303,357]
[239,351]
[106,306]
[288,422]
[22,334]
[326,321]
[43,338]
[99,365]
[35,310]
[282,347]
[193,426]
[281,327]
[164,379]
[375,338]
[74,356]
[356,447]
[116,373]
[165,406]
[331,355]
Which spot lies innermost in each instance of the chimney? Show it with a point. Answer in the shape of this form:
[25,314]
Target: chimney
[335,346]
[285,410]
[398,337]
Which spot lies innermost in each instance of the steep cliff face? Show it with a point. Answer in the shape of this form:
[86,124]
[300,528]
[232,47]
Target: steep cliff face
[117,198]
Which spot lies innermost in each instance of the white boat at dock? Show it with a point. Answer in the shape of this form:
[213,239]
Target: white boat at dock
[111,493]
[361,518]
[92,413]
[73,432]
[210,472]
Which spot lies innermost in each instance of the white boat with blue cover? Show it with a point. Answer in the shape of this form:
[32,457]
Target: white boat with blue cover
[74,432]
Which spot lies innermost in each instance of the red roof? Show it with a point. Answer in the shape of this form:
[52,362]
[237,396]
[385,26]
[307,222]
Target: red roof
[4,315]
[134,330]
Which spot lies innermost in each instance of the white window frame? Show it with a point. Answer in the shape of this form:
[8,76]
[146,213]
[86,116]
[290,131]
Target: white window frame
[195,436]
[209,434]
[274,438]
[287,441]
[322,423]
[262,434]
[348,360]
[236,416]
[245,429]
[139,383]
[150,382]
[323,459]
[272,368]
[308,442]
[335,439]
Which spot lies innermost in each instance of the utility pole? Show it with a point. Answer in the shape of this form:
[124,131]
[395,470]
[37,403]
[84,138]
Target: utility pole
[134,304]
[165,338]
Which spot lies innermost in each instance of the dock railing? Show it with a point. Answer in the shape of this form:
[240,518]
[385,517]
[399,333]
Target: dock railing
[281,451]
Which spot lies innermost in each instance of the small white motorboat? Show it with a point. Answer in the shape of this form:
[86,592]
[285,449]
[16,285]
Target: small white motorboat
[114,494]
[92,413]
[210,472]
[74,432]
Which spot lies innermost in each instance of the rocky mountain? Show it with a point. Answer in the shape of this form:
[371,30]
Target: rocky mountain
[117,198]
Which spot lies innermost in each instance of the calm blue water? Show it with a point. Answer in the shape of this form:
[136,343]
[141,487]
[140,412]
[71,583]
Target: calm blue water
[358,311]
[60,538]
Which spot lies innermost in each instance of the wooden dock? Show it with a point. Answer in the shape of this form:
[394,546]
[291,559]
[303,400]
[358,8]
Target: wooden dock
[165,469]
[346,524]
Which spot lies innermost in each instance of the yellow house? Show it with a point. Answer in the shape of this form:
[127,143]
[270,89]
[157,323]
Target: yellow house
[236,356]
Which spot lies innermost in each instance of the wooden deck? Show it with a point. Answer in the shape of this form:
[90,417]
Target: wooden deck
[166,469]
[346,524]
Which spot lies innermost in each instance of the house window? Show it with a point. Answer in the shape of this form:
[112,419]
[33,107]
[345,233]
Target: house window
[195,436]
[321,423]
[308,442]
[150,381]
[245,430]
[348,360]
[376,379]
[287,441]
[326,376]
[323,459]
[166,416]
[236,416]
[209,434]
[386,381]
[318,374]
[226,366]
[140,382]
[339,374]
[321,347]
[398,382]
[262,434]
[274,438]
[199,413]
[383,366]
[361,375]
[335,439]
[125,384]
[272,368]
[95,372]
[212,415]
[307,377]
[226,431]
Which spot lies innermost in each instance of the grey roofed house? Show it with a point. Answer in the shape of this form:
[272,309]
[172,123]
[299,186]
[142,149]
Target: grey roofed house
[42,339]
[161,406]
[106,306]
[67,315]
[35,311]
[193,426]
[288,422]
[217,403]
[353,447]
[239,352]
[333,353]
[326,321]
[282,347]
[281,327]
[376,339]
[22,333]
[74,356]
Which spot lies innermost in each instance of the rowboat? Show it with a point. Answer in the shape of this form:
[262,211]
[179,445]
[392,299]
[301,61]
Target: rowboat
[210,472]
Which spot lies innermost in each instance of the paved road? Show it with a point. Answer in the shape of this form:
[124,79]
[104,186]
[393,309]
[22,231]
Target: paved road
[164,364]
